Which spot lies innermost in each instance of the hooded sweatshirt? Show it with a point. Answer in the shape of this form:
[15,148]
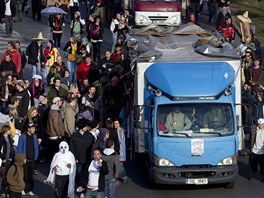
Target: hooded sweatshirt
[112,160]
[15,174]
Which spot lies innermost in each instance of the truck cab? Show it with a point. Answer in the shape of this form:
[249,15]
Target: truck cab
[190,121]
[158,12]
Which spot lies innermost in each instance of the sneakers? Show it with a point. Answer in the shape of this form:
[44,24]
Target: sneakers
[82,195]
[30,193]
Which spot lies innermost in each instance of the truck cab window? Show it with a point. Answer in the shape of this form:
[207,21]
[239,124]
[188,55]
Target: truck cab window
[201,119]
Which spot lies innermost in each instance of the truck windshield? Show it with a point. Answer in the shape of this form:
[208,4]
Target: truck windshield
[195,120]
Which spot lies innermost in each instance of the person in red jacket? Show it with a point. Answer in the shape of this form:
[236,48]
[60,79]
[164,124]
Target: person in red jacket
[16,57]
[84,68]
[228,29]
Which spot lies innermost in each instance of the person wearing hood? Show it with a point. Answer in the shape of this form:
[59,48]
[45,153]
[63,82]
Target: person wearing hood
[62,171]
[55,127]
[112,160]
[15,176]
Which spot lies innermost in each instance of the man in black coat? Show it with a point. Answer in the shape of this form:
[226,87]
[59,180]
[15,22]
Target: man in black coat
[8,12]
[32,51]
[81,147]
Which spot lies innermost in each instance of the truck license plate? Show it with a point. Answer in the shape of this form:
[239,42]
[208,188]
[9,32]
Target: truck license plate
[200,181]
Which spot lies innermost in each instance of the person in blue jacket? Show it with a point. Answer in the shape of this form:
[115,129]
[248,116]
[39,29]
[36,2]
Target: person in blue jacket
[28,145]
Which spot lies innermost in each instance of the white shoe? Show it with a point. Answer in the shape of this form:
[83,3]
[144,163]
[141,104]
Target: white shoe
[23,192]
[82,195]
[30,193]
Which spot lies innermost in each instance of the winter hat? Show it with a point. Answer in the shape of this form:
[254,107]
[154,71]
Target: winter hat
[31,124]
[87,115]
[41,98]
[85,39]
[36,76]
[261,121]
[56,99]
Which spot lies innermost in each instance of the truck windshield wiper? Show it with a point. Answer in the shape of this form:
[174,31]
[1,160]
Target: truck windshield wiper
[216,133]
[181,133]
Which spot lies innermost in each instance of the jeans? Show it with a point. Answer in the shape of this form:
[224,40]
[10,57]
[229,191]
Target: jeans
[80,169]
[45,72]
[110,188]
[122,173]
[94,194]
[9,25]
[72,69]
[36,69]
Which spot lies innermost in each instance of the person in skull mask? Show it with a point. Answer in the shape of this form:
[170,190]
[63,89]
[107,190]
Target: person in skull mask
[63,168]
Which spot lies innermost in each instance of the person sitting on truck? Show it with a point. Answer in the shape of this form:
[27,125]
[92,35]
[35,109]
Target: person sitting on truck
[177,121]
[216,118]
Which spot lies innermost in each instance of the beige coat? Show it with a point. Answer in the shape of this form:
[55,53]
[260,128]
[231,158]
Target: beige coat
[55,126]
[69,119]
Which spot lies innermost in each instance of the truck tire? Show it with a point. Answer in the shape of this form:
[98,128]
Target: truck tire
[230,185]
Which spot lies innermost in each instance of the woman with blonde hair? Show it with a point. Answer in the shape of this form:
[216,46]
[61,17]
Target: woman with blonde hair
[33,117]
[71,51]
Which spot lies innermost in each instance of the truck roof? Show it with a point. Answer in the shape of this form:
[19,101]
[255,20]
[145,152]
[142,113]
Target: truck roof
[191,79]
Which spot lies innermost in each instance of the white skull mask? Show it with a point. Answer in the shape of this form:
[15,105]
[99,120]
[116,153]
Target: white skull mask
[64,147]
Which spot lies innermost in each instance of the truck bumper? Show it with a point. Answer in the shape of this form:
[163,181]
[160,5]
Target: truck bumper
[179,176]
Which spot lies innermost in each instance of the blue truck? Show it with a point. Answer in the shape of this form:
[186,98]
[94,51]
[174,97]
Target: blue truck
[187,117]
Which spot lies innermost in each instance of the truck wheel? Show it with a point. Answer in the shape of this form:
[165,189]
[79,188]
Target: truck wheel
[230,185]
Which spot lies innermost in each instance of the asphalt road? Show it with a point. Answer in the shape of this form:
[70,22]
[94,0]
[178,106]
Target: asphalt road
[138,184]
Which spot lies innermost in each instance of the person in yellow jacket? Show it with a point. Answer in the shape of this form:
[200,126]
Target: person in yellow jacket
[51,53]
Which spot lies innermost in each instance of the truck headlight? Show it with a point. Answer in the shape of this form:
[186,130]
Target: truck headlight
[141,18]
[159,161]
[174,19]
[232,160]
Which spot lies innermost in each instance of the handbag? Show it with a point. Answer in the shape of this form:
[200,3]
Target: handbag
[71,57]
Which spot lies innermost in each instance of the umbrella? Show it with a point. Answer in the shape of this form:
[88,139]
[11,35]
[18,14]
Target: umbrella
[53,10]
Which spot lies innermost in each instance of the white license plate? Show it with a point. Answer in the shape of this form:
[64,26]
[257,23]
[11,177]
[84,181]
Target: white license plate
[200,181]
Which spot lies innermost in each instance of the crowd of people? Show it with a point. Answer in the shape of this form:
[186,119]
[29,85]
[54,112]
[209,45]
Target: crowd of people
[73,111]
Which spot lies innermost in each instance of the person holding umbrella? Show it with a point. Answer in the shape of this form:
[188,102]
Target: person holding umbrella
[56,24]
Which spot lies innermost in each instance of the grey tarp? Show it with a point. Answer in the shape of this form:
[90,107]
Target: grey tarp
[154,42]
